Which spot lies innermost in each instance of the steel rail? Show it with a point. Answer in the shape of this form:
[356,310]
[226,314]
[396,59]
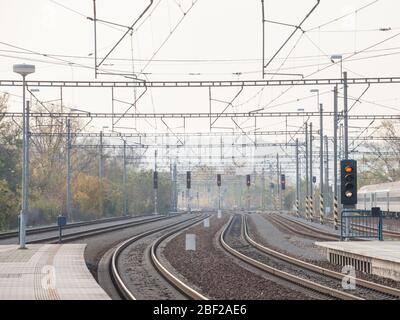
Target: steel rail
[387,232]
[323,271]
[117,279]
[319,231]
[96,231]
[176,282]
[315,233]
[284,275]
[12,234]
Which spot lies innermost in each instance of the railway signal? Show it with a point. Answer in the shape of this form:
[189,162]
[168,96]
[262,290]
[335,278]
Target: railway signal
[155,180]
[283,182]
[248,183]
[349,182]
[219,183]
[188,187]
[188,180]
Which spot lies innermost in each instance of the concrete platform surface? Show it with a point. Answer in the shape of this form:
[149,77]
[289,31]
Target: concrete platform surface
[47,272]
[380,258]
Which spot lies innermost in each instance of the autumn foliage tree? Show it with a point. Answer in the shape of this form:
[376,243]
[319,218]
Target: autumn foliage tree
[92,198]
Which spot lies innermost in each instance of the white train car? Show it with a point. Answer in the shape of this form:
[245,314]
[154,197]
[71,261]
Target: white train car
[385,196]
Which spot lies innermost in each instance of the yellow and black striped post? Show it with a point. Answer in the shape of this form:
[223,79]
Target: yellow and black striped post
[307,208]
[321,209]
[311,208]
[297,208]
[336,213]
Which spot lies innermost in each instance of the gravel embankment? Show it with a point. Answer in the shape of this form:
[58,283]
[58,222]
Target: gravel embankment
[218,275]
[268,233]
[260,230]
[98,245]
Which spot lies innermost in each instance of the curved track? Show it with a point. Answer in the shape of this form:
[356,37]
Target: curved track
[302,228]
[375,290]
[174,281]
[307,276]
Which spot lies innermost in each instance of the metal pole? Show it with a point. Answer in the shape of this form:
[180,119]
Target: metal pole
[61,99]
[263,38]
[263,189]
[113,109]
[248,198]
[346,119]
[68,168]
[124,182]
[307,177]
[172,193]
[277,179]
[95,37]
[321,163]
[101,156]
[219,199]
[175,189]
[271,190]
[280,188]
[335,162]
[311,175]
[25,179]
[101,174]
[24,207]
[155,189]
[297,178]
[188,201]
[327,193]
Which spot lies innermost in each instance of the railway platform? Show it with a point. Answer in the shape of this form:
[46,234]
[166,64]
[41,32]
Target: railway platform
[381,258]
[47,272]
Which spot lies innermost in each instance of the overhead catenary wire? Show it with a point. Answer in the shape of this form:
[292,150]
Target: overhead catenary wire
[343,16]
[298,27]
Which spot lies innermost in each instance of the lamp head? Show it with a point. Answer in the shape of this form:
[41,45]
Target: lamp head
[24,69]
[336,57]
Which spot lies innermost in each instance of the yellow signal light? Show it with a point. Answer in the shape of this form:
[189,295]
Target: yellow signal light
[348,170]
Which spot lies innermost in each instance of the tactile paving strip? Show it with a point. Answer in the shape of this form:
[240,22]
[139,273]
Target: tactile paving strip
[47,272]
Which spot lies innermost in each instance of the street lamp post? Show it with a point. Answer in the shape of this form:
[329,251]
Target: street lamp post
[321,134]
[338,57]
[24,70]
[69,146]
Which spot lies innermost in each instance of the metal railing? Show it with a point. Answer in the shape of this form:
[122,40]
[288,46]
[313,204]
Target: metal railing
[362,224]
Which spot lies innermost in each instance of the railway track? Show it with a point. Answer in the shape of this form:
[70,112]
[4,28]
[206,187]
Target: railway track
[386,232]
[311,277]
[374,287]
[38,230]
[72,236]
[172,279]
[302,228]
[326,235]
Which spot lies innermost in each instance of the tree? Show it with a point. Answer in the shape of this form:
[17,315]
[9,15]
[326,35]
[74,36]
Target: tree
[383,165]
[8,206]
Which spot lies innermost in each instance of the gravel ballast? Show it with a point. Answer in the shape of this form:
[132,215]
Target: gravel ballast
[217,274]
[293,245]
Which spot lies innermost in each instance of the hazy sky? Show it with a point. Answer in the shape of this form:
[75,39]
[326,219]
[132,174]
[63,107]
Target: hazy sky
[216,40]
